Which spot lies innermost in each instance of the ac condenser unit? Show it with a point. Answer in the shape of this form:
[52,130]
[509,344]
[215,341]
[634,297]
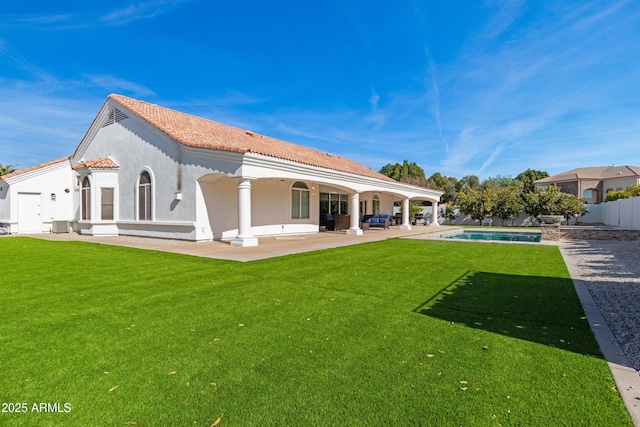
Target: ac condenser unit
[60,227]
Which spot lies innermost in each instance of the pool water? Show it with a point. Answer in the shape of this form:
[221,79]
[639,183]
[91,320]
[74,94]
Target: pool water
[510,236]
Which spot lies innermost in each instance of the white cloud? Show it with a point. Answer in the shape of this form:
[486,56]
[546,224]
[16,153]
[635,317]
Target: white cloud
[115,84]
[137,11]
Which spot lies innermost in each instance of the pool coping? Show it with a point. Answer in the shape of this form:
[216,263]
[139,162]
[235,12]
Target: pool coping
[439,235]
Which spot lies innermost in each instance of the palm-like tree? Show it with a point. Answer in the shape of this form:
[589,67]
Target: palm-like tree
[7,169]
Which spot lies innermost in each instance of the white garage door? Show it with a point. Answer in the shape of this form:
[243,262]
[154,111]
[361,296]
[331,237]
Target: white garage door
[29,220]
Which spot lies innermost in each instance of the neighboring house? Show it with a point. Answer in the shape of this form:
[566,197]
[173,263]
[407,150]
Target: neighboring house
[594,183]
[146,170]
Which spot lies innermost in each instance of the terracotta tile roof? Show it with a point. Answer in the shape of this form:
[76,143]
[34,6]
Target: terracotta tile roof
[101,163]
[198,132]
[32,168]
[596,173]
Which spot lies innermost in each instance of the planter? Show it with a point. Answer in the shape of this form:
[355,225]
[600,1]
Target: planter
[551,219]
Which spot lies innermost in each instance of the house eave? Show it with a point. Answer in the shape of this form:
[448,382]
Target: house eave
[281,167]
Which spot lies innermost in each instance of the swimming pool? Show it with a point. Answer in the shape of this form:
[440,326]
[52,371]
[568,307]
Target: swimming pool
[509,236]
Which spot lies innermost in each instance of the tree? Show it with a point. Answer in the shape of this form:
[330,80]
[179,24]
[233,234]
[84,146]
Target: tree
[500,181]
[443,183]
[449,213]
[469,181]
[415,207]
[7,169]
[508,204]
[438,181]
[528,177]
[572,206]
[403,172]
[476,204]
[633,191]
[552,201]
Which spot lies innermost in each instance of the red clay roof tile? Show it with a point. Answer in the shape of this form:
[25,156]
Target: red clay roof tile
[198,132]
[101,163]
[32,168]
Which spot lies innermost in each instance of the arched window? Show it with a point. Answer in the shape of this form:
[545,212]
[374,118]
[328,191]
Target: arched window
[299,200]
[86,199]
[376,205]
[144,197]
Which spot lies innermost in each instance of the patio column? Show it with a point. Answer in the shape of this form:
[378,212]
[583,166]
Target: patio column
[405,215]
[434,214]
[244,237]
[354,212]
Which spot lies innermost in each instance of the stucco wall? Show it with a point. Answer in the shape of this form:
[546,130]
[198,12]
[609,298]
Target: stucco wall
[618,183]
[49,184]
[5,204]
[137,148]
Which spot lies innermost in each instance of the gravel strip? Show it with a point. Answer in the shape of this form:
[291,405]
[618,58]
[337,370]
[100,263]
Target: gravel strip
[611,272]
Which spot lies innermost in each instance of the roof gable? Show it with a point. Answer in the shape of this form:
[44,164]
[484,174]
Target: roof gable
[193,131]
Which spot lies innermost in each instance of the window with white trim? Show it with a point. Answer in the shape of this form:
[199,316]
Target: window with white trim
[376,205]
[106,203]
[86,199]
[144,197]
[299,200]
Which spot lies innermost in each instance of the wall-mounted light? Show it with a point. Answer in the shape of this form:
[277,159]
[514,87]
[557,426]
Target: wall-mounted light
[53,197]
[66,190]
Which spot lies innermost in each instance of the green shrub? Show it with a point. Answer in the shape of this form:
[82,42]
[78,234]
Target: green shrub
[633,191]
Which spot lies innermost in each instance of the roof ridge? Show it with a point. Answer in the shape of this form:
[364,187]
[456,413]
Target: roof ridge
[199,132]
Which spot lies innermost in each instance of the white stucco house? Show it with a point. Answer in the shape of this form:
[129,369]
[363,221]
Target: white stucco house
[145,170]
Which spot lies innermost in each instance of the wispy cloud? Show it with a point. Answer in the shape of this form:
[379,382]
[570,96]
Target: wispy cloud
[91,16]
[514,93]
[53,129]
[137,11]
[507,11]
[435,97]
[43,19]
[115,84]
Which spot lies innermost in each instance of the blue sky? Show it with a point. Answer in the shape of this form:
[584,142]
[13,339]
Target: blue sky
[467,87]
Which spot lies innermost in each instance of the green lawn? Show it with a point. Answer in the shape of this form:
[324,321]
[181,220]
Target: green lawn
[398,332]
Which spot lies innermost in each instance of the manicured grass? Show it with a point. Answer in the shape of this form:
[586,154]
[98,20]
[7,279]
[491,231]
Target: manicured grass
[399,332]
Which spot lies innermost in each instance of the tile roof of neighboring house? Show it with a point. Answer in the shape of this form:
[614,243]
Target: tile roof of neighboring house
[198,132]
[101,163]
[32,168]
[597,173]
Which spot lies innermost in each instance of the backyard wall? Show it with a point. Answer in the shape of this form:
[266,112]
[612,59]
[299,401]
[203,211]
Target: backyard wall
[621,213]
[522,220]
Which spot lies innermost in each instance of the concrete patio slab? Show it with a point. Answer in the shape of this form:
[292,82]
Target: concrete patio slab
[268,247]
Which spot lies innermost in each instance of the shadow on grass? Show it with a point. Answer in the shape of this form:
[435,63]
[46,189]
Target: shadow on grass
[544,310]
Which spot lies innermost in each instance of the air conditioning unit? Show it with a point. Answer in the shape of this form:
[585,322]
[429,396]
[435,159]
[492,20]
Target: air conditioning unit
[60,227]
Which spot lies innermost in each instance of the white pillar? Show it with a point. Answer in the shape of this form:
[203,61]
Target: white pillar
[355,215]
[405,215]
[434,214]
[244,237]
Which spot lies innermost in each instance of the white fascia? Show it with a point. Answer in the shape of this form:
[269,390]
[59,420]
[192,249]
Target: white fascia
[36,172]
[262,166]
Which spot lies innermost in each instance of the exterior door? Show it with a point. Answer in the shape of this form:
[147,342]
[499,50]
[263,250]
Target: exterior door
[29,218]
